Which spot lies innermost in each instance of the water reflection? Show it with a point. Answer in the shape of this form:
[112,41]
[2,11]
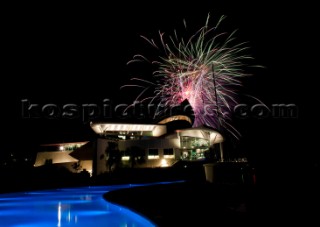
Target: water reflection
[83,206]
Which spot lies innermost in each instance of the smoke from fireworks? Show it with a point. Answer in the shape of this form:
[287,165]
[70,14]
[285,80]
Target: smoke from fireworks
[204,69]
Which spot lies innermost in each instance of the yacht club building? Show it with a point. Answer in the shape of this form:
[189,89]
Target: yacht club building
[137,145]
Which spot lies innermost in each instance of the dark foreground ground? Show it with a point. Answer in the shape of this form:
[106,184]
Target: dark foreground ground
[207,204]
[239,195]
[190,204]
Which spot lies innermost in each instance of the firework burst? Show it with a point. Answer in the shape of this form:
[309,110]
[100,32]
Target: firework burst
[204,69]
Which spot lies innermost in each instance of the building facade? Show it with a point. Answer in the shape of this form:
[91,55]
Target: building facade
[135,145]
[153,145]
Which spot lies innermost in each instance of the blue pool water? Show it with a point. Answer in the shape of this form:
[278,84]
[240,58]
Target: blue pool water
[82,206]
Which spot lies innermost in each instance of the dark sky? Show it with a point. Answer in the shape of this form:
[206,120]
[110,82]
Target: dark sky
[62,54]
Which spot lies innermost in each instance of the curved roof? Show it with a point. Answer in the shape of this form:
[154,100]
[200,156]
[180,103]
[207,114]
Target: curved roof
[128,129]
[175,118]
[202,132]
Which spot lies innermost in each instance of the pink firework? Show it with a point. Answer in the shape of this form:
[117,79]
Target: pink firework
[205,70]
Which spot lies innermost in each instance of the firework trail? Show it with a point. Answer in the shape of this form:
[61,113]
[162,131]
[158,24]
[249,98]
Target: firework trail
[204,69]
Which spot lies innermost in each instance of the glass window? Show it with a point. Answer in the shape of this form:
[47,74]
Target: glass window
[153,154]
[168,151]
[193,148]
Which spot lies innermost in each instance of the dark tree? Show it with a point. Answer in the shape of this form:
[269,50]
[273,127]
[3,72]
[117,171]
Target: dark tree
[113,154]
[137,155]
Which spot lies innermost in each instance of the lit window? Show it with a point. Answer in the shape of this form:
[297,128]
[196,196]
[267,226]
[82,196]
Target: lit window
[168,153]
[125,155]
[153,154]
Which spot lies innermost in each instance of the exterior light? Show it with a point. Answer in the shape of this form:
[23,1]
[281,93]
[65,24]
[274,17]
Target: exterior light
[163,163]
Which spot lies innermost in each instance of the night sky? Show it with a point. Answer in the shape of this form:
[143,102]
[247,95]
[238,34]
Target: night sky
[78,54]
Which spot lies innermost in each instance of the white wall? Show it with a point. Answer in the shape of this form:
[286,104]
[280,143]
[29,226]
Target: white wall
[151,143]
[102,145]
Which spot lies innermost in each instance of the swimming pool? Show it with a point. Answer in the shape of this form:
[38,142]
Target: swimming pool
[83,206]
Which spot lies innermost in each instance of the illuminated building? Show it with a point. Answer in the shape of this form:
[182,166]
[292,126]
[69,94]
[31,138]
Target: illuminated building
[136,145]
